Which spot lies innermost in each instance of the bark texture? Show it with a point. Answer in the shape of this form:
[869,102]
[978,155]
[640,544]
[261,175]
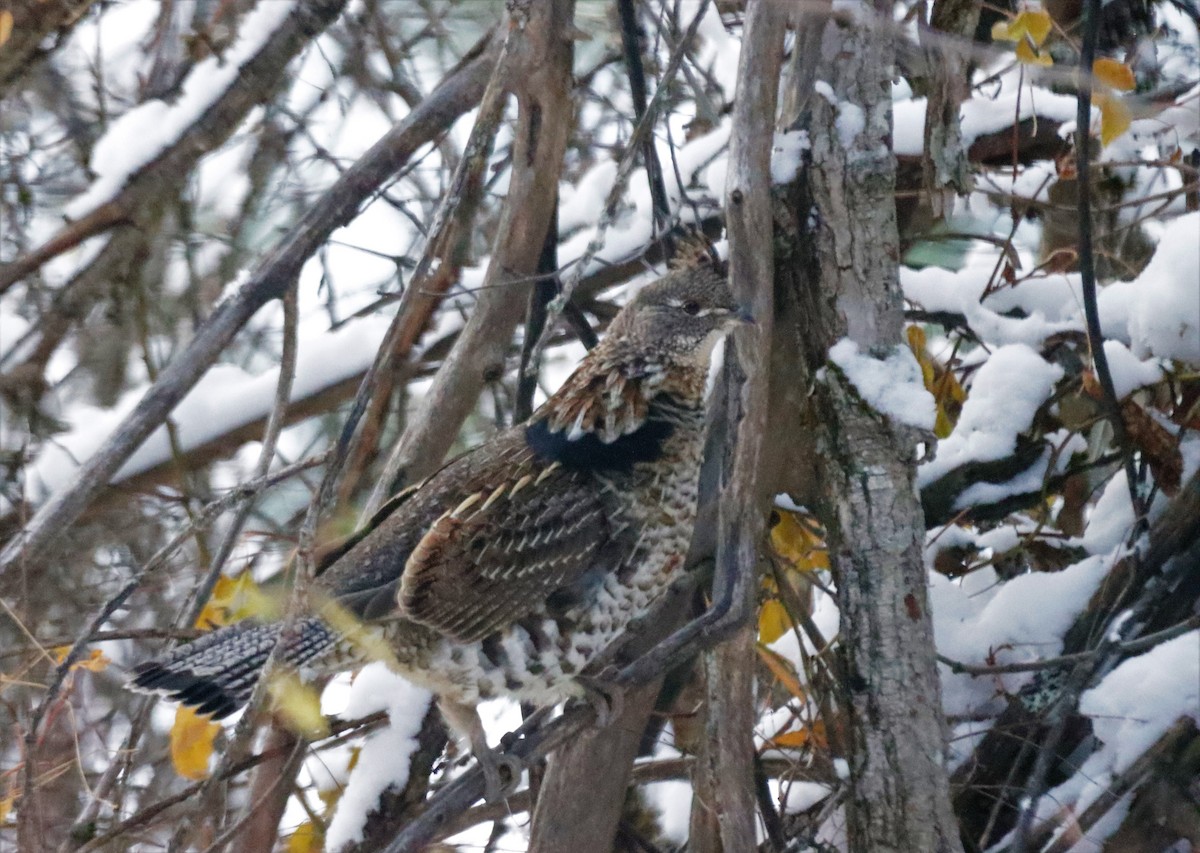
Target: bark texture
[947,169]
[898,798]
[724,776]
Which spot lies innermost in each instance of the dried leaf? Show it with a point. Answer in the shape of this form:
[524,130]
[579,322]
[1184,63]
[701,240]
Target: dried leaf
[96,661]
[1115,117]
[773,621]
[800,738]
[298,705]
[6,26]
[308,838]
[797,540]
[6,804]
[235,599]
[1158,446]
[948,393]
[192,738]
[783,671]
[1118,75]
[1030,55]
[794,739]
[1034,24]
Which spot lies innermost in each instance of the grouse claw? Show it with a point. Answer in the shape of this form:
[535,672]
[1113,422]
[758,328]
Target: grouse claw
[604,695]
[501,774]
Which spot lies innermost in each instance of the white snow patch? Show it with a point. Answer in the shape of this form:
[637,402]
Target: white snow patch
[851,121]
[892,386]
[225,398]
[1131,709]
[1005,396]
[981,114]
[979,620]
[673,799]
[1129,373]
[1165,320]
[383,760]
[787,155]
[147,130]
[1052,307]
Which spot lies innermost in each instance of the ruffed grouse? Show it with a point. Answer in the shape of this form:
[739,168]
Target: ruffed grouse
[514,566]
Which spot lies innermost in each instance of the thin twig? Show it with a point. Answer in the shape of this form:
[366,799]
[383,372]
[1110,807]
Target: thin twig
[1087,262]
[457,92]
[1129,647]
[631,42]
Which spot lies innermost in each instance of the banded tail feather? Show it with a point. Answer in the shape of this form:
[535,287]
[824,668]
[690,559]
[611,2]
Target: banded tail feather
[216,673]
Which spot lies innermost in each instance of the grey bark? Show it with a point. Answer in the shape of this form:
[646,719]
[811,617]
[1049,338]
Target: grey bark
[724,775]
[946,167]
[865,468]
[581,798]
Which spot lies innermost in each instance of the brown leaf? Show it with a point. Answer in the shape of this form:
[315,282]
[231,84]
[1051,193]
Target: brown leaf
[1113,73]
[783,670]
[1157,444]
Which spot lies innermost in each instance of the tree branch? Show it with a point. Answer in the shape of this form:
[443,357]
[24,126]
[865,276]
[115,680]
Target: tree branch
[336,207]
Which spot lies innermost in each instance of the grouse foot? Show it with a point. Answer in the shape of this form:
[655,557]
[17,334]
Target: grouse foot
[604,695]
[501,772]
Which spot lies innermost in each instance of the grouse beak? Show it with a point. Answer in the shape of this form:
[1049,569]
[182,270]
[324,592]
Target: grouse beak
[743,315]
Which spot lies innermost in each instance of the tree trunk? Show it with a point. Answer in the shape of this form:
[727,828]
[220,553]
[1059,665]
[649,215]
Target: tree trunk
[865,465]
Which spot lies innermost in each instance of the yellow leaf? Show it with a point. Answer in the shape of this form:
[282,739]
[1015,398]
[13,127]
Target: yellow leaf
[942,425]
[1032,23]
[773,621]
[298,705]
[800,737]
[308,838]
[6,804]
[794,739]
[6,26]
[1118,75]
[1029,55]
[1036,23]
[96,661]
[235,599]
[783,670]
[797,539]
[192,738]
[1115,117]
[947,391]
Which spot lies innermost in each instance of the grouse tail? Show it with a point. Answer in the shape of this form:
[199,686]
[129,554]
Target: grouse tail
[216,673]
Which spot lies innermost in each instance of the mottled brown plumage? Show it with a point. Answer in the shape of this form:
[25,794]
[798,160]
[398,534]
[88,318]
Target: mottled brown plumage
[517,564]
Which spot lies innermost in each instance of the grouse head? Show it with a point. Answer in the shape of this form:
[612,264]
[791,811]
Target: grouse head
[683,314]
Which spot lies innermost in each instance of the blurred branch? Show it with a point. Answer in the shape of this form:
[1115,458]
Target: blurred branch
[541,80]
[161,177]
[725,777]
[456,94]
[631,43]
[38,29]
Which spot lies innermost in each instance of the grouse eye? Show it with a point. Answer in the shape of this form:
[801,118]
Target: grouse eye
[691,307]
